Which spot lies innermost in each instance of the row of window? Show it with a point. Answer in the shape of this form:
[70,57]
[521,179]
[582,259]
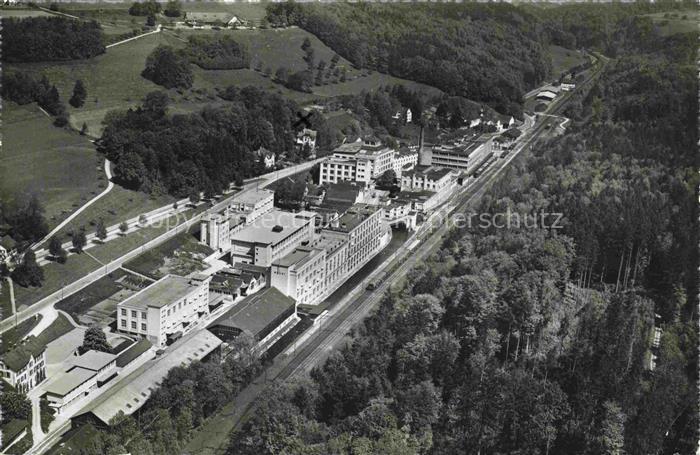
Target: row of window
[133,325]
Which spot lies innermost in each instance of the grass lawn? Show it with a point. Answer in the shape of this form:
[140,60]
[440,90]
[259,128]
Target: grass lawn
[78,303]
[15,334]
[6,12]
[55,276]
[60,166]
[181,255]
[112,80]
[57,329]
[676,22]
[564,59]
[118,205]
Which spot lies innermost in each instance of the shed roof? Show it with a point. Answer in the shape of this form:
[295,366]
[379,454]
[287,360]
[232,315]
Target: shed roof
[254,313]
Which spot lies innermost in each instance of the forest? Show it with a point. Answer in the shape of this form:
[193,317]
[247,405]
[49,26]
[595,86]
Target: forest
[156,152]
[531,339]
[489,53]
[45,39]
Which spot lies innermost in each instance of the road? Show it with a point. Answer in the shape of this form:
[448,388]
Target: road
[71,288]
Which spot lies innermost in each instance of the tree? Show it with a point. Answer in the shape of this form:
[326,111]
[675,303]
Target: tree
[101,230]
[123,227]
[56,249]
[301,81]
[151,20]
[79,240]
[14,405]
[173,8]
[282,75]
[194,196]
[79,94]
[28,273]
[96,340]
[386,180]
[169,68]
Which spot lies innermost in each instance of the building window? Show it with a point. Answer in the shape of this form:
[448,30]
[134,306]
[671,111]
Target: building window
[133,313]
[123,312]
[143,315]
[123,323]
[133,324]
[143,326]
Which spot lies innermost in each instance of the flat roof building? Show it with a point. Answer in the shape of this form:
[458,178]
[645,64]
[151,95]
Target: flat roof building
[272,236]
[165,309]
[464,154]
[301,274]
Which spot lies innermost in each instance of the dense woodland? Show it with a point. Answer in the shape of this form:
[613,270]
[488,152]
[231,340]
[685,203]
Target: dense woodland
[217,53]
[43,39]
[489,53]
[530,339]
[157,152]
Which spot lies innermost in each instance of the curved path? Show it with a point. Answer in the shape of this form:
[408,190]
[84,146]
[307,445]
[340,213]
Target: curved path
[110,185]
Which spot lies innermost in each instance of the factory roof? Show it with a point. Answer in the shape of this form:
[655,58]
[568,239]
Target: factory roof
[298,257]
[133,352]
[354,217]
[273,227]
[67,382]
[256,312]
[94,360]
[429,172]
[163,292]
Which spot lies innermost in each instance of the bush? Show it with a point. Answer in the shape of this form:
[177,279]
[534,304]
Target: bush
[221,52]
[144,9]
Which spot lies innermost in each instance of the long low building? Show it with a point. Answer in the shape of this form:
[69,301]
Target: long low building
[262,315]
[131,392]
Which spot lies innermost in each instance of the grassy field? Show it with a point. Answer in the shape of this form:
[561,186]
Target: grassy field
[60,166]
[7,12]
[180,255]
[15,334]
[564,59]
[113,80]
[55,276]
[678,22]
[5,303]
[116,206]
[57,329]
[371,82]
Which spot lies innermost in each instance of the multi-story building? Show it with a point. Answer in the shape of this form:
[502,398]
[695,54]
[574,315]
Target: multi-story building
[427,179]
[404,160]
[166,309]
[252,204]
[301,274]
[357,161]
[24,366]
[335,245]
[216,228]
[215,231]
[272,236]
[465,154]
[364,231]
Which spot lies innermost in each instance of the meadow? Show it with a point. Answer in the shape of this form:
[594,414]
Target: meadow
[59,166]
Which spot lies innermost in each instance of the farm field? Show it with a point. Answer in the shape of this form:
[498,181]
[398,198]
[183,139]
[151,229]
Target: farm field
[677,22]
[60,166]
[80,303]
[16,333]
